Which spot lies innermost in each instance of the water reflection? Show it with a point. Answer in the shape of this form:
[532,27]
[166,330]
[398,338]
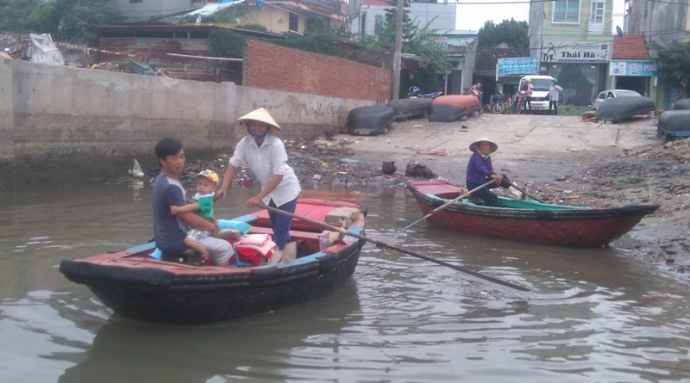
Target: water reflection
[594,315]
[257,347]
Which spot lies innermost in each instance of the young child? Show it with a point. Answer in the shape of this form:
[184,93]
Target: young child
[206,183]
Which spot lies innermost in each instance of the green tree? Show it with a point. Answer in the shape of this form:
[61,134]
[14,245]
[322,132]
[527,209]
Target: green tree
[420,41]
[25,16]
[511,32]
[226,43]
[674,63]
[66,18]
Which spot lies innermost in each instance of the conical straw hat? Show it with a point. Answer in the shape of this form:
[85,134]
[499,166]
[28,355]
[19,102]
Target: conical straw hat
[261,115]
[473,146]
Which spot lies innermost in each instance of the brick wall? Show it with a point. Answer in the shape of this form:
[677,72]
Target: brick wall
[272,66]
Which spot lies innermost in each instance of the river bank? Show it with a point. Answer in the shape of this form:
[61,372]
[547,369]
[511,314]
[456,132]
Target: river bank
[559,159]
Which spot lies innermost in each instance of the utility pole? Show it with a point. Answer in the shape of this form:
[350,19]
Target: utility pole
[398,49]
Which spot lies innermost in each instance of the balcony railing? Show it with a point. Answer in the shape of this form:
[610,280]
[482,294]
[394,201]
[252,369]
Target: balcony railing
[595,28]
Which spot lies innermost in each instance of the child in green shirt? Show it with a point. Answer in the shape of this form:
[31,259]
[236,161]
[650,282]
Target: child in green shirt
[206,183]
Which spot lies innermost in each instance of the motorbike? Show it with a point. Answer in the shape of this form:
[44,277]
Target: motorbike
[415,92]
[497,103]
[520,101]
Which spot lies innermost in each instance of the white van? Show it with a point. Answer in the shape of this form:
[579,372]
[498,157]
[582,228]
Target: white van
[540,89]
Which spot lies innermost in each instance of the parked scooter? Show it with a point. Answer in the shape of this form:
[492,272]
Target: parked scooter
[497,103]
[415,92]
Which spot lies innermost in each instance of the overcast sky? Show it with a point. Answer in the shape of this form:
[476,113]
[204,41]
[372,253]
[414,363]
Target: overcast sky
[473,16]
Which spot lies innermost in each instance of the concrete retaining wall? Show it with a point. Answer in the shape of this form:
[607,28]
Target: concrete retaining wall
[61,123]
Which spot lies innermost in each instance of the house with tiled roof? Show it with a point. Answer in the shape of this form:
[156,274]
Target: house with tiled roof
[631,66]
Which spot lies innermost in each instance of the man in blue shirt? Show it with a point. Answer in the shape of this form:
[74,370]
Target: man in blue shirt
[170,230]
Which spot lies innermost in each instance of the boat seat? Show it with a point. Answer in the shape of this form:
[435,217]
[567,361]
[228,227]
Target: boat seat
[293,233]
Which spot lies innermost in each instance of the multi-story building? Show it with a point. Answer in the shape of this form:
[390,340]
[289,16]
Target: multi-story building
[366,15]
[658,21]
[573,41]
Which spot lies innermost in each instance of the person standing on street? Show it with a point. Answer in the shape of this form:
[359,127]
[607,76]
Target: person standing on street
[554,91]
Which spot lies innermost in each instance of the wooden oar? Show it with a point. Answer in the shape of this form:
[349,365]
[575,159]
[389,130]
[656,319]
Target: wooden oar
[513,184]
[393,247]
[445,205]
[336,195]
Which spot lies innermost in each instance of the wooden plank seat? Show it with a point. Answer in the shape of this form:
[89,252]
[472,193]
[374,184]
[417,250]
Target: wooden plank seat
[295,234]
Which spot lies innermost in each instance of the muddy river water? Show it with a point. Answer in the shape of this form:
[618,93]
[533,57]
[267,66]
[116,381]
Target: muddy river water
[594,315]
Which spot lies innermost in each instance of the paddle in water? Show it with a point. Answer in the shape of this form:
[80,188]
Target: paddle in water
[393,247]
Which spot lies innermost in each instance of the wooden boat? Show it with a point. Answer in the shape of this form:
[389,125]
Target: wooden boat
[683,104]
[370,120]
[453,107]
[674,123]
[619,108]
[137,286]
[527,221]
[410,107]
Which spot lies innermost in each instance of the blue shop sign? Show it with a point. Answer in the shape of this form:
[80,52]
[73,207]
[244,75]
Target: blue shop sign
[633,68]
[517,66]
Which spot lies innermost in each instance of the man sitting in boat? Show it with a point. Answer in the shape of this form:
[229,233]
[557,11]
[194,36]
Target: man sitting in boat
[480,170]
[170,230]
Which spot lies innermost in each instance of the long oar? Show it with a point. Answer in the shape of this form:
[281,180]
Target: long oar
[393,247]
[445,205]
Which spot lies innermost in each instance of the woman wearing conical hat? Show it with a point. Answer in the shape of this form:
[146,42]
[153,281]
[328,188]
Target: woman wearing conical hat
[266,156]
[480,170]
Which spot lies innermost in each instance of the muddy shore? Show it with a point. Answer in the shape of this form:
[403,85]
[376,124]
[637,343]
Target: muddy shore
[562,160]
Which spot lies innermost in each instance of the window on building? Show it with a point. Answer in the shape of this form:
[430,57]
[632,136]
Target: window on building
[363,26]
[135,1]
[566,11]
[378,24]
[294,22]
[596,15]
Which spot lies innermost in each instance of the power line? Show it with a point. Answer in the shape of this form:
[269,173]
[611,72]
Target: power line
[667,2]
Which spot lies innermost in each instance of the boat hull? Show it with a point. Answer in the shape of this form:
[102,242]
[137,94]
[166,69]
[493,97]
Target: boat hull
[370,120]
[584,227]
[453,107]
[410,107]
[619,108]
[139,287]
[683,104]
[674,123]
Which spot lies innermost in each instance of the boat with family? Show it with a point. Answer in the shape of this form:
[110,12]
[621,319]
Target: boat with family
[137,285]
[526,220]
